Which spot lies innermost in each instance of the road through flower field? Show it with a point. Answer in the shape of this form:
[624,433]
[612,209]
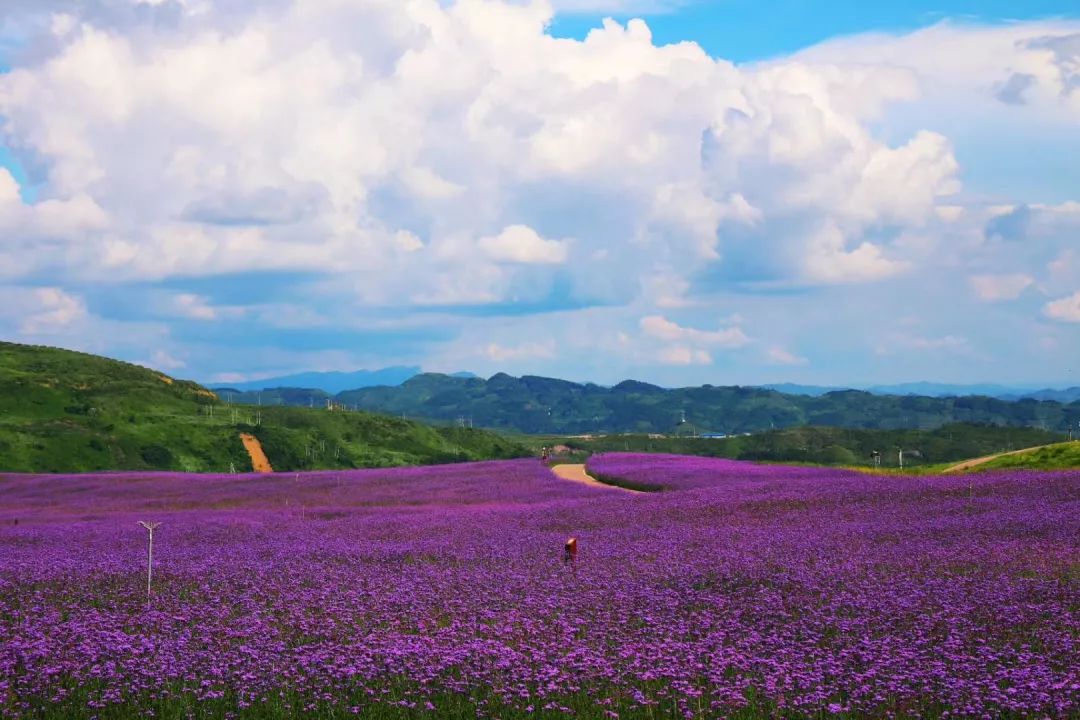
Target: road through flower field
[736,590]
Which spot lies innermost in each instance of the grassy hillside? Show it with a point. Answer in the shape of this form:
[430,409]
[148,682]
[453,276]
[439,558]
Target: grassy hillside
[63,411]
[296,397]
[1061,455]
[537,405]
[832,446]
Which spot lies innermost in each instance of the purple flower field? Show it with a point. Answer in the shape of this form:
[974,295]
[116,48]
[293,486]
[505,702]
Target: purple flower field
[737,591]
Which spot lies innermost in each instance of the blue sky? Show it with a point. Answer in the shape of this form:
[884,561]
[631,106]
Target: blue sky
[18,171]
[747,31]
[832,193]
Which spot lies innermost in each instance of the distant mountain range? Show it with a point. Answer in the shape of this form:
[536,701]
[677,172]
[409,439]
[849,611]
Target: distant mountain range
[333,383]
[540,405]
[329,382]
[929,389]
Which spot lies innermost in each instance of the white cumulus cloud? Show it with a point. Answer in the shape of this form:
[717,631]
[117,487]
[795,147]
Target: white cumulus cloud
[1066,309]
[229,141]
[521,244]
[779,356]
[51,310]
[659,327]
[682,355]
[194,307]
[162,360]
[991,288]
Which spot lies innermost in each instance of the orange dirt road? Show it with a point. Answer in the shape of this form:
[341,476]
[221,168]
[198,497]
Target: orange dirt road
[967,464]
[576,473]
[259,463]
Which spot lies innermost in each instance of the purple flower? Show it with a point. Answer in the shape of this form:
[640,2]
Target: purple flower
[806,591]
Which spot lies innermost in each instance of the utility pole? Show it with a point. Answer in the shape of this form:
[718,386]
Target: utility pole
[900,457]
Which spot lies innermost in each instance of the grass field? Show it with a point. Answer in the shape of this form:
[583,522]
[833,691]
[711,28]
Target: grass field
[1060,455]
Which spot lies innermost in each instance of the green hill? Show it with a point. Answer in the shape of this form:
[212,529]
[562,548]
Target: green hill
[536,405]
[1053,457]
[295,397]
[831,446]
[64,411]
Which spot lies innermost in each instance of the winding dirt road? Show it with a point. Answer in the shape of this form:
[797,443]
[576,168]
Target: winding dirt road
[576,473]
[968,464]
[259,461]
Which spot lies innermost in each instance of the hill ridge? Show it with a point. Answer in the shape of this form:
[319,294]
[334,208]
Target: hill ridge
[533,404]
[69,411]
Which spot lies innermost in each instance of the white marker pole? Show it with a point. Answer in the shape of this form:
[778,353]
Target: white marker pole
[150,526]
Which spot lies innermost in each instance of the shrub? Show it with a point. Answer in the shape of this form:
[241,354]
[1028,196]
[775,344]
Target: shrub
[157,456]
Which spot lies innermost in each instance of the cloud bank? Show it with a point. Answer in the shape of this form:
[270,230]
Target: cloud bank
[450,180]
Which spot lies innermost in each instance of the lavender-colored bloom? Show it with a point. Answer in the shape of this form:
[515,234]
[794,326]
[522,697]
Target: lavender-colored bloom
[803,591]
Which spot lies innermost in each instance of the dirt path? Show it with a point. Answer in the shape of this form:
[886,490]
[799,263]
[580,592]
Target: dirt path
[259,462]
[968,464]
[576,473]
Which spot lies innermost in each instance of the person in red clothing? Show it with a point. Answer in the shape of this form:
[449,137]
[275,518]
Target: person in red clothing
[570,552]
